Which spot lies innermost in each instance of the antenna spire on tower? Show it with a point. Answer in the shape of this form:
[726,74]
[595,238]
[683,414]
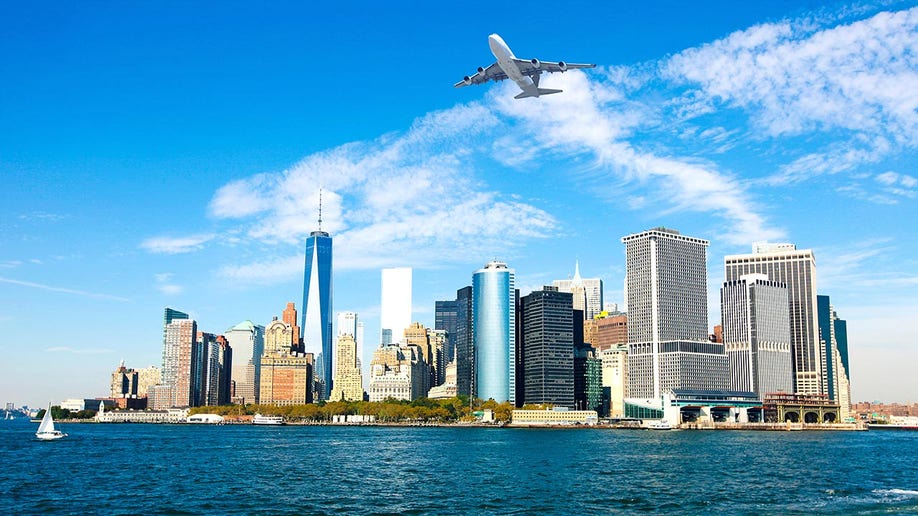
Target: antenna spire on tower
[320,209]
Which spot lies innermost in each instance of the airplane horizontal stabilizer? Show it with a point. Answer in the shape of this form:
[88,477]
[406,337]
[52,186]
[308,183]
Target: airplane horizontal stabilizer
[537,93]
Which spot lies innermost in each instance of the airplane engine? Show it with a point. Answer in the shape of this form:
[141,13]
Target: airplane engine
[536,64]
[467,80]
[480,69]
[562,65]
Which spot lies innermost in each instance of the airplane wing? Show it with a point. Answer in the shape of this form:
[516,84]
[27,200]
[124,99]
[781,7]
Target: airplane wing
[534,66]
[483,75]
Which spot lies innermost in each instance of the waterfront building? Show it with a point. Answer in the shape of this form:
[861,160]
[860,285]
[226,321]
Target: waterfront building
[494,332]
[348,380]
[179,357]
[206,370]
[796,268]
[615,379]
[437,340]
[586,292]
[247,340]
[756,334]
[225,365]
[448,389]
[547,347]
[395,305]
[551,417]
[445,319]
[610,330]
[286,374]
[317,323]
[668,346]
[124,382]
[587,378]
[397,372]
[159,397]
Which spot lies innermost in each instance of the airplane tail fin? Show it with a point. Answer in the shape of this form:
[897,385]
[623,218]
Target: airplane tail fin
[537,92]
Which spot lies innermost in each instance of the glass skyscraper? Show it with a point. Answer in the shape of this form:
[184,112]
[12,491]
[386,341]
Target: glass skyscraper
[494,332]
[317,323]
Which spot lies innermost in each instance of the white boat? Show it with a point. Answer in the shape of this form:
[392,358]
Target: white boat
[268,420]
[46,431]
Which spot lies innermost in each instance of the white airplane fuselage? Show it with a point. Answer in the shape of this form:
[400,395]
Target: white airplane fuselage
[505,59]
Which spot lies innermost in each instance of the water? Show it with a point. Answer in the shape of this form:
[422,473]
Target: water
[181,469]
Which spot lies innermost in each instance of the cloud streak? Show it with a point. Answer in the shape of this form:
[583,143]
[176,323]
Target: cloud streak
[62,290]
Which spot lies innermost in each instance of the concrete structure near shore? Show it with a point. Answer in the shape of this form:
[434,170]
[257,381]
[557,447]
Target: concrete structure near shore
[553,417]
[144,416]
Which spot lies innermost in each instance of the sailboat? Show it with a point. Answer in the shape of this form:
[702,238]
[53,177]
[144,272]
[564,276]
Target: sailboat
[46,431]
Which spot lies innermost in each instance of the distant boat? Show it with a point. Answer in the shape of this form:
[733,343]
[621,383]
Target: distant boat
[268,420]
[46,431]
[660,425]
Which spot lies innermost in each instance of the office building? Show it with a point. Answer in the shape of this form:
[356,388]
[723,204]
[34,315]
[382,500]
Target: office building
[465,347]
[607,330]
[445,319]
[179,355]
[348,380]
[397,372]
[494,332]
[286,374]
[207,370]
[796,268]
[395,304]
[587,378]
[756,335]
[668,346]
[587,292]
[548,347]
[833,333]
[614,379]
[248,342]
[317,323]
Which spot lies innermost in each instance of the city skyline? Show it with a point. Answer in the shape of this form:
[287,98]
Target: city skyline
[183,168]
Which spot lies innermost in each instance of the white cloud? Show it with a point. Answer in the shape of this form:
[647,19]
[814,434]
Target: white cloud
[858,81]
[176,245]
[75,351]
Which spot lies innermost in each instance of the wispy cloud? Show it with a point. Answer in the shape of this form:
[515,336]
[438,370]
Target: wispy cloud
[164,284]
[176,245]
[62,289]
[75,351]
[10,264]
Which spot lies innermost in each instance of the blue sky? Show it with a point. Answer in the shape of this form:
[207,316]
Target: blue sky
[170,154]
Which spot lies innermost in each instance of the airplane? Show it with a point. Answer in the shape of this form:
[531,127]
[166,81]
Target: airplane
[525,73]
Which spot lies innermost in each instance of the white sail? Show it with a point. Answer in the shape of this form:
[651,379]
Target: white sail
[47,423]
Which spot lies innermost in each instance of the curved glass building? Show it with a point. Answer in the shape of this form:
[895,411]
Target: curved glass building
[494,332]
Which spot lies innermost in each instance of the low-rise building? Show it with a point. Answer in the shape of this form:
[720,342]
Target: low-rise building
[556,416]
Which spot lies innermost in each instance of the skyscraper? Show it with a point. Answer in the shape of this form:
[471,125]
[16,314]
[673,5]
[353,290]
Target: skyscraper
[445,319]
[178,361]
[465,345]
[317,325]
[248,341]
[587,292]
[786,264]
[395,305]
[833,336]
[348,380]
[494,332]
[668,347]
[548,347]
[756,335]
[286,373]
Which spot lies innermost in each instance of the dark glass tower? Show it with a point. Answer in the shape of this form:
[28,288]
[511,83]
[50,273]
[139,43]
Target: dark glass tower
[465,358]
[445,319]
[317,302]
[548,347]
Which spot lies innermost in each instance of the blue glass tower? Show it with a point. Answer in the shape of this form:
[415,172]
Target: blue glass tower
[494,332]
[316,326]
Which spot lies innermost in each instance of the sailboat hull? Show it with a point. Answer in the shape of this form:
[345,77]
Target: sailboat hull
[50,436]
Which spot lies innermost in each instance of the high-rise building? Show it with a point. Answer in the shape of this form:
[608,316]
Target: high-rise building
[207,369]
[248,342]
[178,359]
[348,380]
[615,378]
[286,374]
[548,347]
[124,382]
[587,292]
[395,305]
[445,319]
[668,346]
[587,378]
[148,377]
[833,333]
[438,360]
[494,332]
[609,330]
[317,325]
[225,360]
[397,372]
[289,317]
[465,345]
[796,268]
[756,335]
